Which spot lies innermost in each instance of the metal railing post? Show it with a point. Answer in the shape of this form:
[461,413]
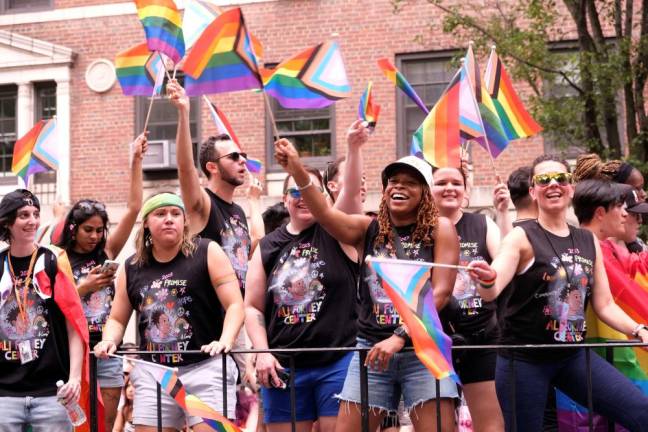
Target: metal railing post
[364,391]
[437,387]
[513,396]
[224,379]
[293,395]
[590,404]
[609,356]
[159,407]
[94,418]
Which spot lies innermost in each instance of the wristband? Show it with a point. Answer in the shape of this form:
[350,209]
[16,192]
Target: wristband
[488,283]
[638,328]
[306,186]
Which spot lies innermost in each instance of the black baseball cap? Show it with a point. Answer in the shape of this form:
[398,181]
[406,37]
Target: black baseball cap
[17,199]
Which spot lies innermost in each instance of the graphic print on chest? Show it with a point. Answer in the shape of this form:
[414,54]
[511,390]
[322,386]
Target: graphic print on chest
[296,284]
[465,288]
[235,241]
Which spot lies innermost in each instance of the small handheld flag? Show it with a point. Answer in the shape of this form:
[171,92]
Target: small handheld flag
[368,110]
[253,165]
[517,122]
[401,82]
[37,150]
[197,16]
[407,285]
[138,71]
[163,27]
[314,78]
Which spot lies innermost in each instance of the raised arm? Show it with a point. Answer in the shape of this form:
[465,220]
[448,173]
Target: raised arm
[257,229]
[119,315]
[118,238]
[501,200]
[350,199]
[195,198]
[348,229]
[224,281]
[446,251]
[605,307]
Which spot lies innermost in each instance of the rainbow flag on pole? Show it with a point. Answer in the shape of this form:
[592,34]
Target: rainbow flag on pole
[140,72]
[163,27]
[495,139]
[197,16]
[453,121]
[407,283]
[37,151]
[314,78]
[517,122]
[401,82]
[223,59]
[368,110]
[171,384]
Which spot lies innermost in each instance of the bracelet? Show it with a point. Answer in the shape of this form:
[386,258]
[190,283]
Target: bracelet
[638,328]
[488,283]
[306,186]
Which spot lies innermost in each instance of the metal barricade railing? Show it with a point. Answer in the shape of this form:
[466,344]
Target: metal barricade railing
[364,388]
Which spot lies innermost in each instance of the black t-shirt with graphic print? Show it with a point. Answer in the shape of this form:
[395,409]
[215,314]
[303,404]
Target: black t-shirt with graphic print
[378,317]
[310,295]
[547,302]
[227,226]
[177,304]
[40,326]
[476,315]
[96,305]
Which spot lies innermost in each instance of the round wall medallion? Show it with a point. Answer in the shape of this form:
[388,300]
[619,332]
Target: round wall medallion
[100,75]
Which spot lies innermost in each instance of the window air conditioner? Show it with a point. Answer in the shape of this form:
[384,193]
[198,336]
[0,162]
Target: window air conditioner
[160,155]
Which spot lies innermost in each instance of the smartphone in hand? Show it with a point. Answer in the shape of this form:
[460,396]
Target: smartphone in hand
[109,266]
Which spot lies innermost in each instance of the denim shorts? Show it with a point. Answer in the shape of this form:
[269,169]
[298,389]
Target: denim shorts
[202,379]
[405,376]
[315,389]
[110,372]
[44,414]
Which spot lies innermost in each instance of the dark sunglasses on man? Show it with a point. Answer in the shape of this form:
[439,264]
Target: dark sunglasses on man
[235,156]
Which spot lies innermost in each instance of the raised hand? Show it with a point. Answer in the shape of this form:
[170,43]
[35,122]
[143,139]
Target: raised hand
[176,94]
[140,145]
[287,156]
[501,198]
[357,134]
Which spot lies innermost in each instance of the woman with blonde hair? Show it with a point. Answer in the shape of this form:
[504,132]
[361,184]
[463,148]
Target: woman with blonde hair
[187,296]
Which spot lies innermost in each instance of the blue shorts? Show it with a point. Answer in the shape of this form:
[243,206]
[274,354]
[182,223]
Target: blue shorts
[110,372]
[43,414]
[315,389]
[406,376]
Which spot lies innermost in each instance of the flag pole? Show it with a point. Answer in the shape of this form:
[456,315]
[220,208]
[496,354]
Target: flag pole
[164,63]
[275,131]
[148,114]
[143,362]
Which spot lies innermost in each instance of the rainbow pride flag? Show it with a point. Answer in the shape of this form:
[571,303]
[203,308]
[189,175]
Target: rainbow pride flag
[517,122]
[453,121]
[140,72]
[171,384]
[254,165]
[198,14]
[314,78]
[368,110]
[495,139]
[407,285]
[163,27]
[37,151]
[401,82]
[223,59]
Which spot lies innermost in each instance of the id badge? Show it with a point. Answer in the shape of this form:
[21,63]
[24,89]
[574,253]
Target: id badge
[25,351]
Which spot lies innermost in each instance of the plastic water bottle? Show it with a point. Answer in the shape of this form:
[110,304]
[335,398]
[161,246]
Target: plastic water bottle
[74,411]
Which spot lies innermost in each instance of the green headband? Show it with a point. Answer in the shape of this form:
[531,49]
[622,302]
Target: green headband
[161,200]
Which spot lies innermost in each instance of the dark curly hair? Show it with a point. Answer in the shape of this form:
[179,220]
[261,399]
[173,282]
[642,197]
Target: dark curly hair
[80,212]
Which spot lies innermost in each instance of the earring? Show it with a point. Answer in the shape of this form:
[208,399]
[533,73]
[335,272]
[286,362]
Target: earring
[148,241]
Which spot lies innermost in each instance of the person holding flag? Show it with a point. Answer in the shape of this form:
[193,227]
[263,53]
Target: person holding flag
[187,296]
[43,336]
[408,227]
[87,243]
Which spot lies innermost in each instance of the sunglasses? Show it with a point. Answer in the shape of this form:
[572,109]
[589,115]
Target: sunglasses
[296,193]
[90,206]
[543,180]
[235,156]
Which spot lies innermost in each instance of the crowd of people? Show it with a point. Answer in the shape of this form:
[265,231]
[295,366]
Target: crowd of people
[205,277]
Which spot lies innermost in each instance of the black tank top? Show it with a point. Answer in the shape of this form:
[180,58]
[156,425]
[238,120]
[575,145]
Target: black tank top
[177,304]
[476,314]
[310,296]
[227,226]
[378,318]
[96,305]
[41,327]
[547,302]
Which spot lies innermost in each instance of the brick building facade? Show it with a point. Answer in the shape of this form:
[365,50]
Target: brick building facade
[53,53]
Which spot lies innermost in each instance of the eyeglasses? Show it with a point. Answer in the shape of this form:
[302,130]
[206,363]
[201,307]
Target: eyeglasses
[544,180]
[296,193]
[235,156]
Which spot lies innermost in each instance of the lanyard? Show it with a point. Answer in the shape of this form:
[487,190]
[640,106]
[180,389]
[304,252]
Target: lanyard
[22,304]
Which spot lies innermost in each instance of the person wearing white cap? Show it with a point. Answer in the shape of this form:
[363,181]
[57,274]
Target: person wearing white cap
[408,227]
